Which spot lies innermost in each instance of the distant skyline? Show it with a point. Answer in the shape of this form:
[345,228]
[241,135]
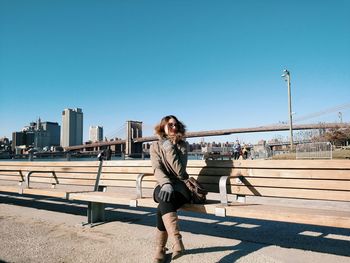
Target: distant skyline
[214,64]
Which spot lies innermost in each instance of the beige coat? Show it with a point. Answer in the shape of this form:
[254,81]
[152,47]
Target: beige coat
[169,163]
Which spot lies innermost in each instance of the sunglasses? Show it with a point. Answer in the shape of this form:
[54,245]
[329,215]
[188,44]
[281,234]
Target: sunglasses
[172,125]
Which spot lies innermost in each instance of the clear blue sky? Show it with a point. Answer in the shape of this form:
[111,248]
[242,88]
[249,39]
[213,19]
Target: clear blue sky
[214,64]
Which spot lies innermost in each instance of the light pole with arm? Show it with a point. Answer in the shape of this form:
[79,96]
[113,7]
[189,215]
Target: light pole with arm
[286,76]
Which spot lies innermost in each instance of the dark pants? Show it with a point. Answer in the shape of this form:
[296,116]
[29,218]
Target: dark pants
[175,203]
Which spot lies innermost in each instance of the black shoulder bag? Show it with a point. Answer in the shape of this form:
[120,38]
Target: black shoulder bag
[198,192]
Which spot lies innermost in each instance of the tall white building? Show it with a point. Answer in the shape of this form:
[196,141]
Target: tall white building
[72,127]
[95,133]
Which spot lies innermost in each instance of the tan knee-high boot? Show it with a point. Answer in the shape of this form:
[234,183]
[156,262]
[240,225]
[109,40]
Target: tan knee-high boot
[171,225]
[161,239]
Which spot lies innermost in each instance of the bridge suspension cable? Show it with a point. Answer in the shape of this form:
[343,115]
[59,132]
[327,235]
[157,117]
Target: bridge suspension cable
[324,112]
[118,133]
[316,114]
[148,128]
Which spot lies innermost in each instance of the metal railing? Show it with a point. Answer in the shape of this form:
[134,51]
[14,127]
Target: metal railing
[315,150]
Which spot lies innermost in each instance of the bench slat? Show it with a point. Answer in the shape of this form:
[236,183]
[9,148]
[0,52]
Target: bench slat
[293,183]
[90,176]
[52,164]
[214,171]
[26,169]
[321,217]
[11,178]
[291,193]
[61,181]
[103,197]
[9,189]
[5,172]
[302,173]
[132,176]
[130,183]
[274,164]
[45,192]
[124,169]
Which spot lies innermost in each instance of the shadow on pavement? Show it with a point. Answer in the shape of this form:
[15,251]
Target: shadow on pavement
[253,234]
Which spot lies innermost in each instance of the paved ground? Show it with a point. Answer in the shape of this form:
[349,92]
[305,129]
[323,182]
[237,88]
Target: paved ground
[47,230]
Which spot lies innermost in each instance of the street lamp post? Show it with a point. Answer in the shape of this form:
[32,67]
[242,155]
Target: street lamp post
[340,115]
[286,76]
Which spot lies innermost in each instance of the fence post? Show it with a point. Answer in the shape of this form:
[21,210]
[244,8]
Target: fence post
[68,156]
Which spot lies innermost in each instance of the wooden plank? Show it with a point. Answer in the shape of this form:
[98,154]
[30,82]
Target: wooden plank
[11,178]
[103,197]
[274,164]
[311,216]
[10,189]
[207,179]
[91,176]
[27,169]
[125,169]
[6,172]
[129,163]
[302,173]
[122,183]
[45,192]
[200,208]
[147,202]
[291,193]
[293,183]
[62,181]
[214,188]
[218,171]
[53,164]
[109,176]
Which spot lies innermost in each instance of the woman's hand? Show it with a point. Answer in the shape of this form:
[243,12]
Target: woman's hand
[166,192]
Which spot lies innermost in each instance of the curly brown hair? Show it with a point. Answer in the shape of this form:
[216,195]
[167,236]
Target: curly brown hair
[181,130]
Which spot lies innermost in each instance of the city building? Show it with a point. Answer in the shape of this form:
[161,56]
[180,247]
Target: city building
[95,133]
[38,135]
[18,139]
[5,148]
[54,131]
[72,127]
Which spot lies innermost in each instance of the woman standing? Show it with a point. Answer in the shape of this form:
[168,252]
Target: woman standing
[169,161]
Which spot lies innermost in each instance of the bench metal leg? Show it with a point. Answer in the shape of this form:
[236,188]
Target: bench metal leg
[139,185]
[220,211]
[241,198]
[223,191]
[96,212]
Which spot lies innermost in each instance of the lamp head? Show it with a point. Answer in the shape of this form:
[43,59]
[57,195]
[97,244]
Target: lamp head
[285,74]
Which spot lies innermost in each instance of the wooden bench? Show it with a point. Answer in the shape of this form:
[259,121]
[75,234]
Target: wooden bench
[83,181]
[232,185]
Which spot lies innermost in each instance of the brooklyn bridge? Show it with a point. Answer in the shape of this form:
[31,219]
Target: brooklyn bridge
[133,143]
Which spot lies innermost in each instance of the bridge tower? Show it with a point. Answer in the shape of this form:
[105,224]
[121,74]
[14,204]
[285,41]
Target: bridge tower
[133,130]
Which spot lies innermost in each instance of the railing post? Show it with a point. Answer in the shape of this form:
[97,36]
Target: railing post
[68,156]
[97,182]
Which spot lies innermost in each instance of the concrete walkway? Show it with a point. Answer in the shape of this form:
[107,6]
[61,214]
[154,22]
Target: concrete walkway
[47,230]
